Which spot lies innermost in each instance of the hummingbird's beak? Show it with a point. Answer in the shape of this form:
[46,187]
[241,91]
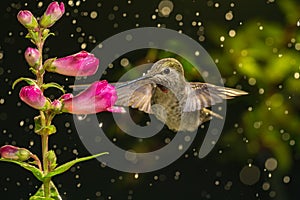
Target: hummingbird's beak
[133,81]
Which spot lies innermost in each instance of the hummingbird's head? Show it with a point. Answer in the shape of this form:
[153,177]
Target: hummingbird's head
[166,71]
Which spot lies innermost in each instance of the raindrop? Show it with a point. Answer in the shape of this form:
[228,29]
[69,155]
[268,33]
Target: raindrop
[298,23]
[232,33]
[130,155]
[180,147]
[252,81]
[297,75]
[178,17]
[93,15]
[136,176]
[81,117]
[128,37]
[286,179]
[165,7]
[271,164]
[261,91]
[124,62]
[297,46]
[272,194]
[250,175]
[115,8]
[266,186]
[229,15]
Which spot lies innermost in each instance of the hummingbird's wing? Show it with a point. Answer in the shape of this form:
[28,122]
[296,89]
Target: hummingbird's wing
[205,95]
[136,95]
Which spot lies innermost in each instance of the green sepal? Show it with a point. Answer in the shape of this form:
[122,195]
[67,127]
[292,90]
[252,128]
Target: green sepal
[48,63]
[39,195]
[33,36]
[28,80]
[54,85]
[39,128]
[68,165]
[35,171]
[51,157]
[33,70]
[46,33]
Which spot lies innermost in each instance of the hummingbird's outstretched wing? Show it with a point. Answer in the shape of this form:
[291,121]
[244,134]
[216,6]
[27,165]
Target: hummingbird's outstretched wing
[205,95]
[136,95]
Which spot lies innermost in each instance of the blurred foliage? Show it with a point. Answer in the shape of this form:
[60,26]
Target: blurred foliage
[266,55]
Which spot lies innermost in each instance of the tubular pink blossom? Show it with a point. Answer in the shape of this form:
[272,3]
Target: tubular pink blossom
[79,64]
[14,153]
[32,56]
[100,96]
[27,19]
[33,96]
[53,13]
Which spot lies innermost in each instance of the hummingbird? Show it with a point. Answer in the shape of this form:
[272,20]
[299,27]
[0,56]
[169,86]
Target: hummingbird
[164,92]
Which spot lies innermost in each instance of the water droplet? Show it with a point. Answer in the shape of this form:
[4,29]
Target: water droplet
[286,179]
[165,7]
[252,81]
[93,14]
[229,15]
[271,164]
[136,176]
[81,117]
[232,33]
[124,62]
[266,186]
[178,17]
[250,175]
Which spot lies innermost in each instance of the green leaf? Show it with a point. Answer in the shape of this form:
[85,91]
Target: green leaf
[39,195]
[38,127]
[68,165]
[45,129]
[28,80]
[55,85]
[36,172]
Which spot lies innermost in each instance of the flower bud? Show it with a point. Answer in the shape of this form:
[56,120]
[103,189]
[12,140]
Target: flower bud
[26,18]
[56,105]
[79,64]
[100,96]
[32,56]
[14,153]
[33,96]
[52,14]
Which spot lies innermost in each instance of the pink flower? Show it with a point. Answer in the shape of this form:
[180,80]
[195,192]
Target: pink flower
[33,96]
[26,18]
[79,64]
[52,14]
[56,105]
[100,96]
[32,56]
[14,153]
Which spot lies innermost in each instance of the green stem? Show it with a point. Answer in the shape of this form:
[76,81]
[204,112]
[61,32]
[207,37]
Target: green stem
[40,70]
[45,163]
[46,118]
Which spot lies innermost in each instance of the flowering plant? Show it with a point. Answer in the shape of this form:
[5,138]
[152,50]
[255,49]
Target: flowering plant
[100,96]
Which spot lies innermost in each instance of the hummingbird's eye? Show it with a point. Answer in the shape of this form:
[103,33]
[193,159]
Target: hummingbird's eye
[166,71]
